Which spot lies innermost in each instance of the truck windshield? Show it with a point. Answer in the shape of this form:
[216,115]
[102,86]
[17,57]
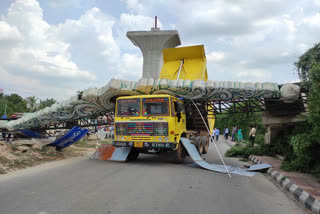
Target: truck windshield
[128,107]
[155,106]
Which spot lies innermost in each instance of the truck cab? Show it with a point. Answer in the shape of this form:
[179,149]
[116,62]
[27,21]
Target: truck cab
[149,123]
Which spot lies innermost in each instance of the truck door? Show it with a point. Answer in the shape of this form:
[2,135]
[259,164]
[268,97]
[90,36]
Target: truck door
[179,115]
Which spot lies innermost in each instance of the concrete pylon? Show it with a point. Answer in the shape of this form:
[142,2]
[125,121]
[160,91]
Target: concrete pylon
[151,44]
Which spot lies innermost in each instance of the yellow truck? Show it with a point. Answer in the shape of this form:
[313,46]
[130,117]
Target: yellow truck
[154,124]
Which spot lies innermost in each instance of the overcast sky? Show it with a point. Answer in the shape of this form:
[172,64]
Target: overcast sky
[53,48]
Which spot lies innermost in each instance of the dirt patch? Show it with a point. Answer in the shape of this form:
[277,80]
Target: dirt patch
[21,155]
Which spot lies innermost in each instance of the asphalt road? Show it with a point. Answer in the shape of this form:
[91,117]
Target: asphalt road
[149,185]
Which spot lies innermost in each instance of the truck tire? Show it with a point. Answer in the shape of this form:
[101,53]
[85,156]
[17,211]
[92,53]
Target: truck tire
[205,142]
[180,153]
[199,144]
[192,138]
[133,155]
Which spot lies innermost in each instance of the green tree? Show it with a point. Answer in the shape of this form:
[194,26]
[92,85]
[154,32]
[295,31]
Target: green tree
[306,143]
[306,63]
[46,103]
[244,121]
[32,103]
[13,104]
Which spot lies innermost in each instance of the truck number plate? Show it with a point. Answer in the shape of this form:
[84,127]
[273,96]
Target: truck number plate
[138,144]
[158,145]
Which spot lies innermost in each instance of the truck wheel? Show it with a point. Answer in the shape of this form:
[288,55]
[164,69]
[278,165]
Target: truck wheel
[180,153]
[205,142]
[133,155]
[192,138]
[199,144]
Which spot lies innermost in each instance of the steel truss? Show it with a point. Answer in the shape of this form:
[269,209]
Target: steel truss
[249,106]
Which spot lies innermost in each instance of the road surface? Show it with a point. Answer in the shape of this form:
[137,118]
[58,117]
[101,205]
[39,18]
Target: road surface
[149,185]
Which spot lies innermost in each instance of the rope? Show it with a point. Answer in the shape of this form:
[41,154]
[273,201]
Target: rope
[212,138]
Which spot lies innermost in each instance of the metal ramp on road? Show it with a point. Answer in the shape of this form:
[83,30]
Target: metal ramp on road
[194,154]
[112,153]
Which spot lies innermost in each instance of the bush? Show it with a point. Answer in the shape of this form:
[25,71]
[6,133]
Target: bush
[245,152]
[259,139]
[301,148]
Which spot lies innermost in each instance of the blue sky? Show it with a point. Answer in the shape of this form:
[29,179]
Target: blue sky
[53,48]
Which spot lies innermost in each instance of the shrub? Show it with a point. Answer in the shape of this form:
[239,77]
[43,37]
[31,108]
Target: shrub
[259,139]
[245,152]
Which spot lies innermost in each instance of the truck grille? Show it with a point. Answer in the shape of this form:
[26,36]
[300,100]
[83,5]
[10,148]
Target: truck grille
[141,138]
[142,129]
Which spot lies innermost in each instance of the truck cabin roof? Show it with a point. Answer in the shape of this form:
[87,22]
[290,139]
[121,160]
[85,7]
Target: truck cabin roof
[145,96]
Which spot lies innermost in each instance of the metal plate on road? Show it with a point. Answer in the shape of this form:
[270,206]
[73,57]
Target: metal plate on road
[194,154]
[258,167]
[109,152]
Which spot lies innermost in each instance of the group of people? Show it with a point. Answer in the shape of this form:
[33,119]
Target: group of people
[236,133]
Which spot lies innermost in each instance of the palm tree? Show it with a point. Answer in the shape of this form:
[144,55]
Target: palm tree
[31,103]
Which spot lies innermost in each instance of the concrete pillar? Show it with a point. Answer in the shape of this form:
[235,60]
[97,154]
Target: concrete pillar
[279,123]
[151,44]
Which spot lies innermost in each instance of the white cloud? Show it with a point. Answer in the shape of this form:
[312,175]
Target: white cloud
[215,56]
[136,22]
[37,54]
[62,3]
[313,21]
[130,67]
[316,2]
[9,34]
[253,74]
[90,38]
[134,5]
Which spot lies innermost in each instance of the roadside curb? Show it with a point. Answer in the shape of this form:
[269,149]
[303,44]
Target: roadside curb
[304,198]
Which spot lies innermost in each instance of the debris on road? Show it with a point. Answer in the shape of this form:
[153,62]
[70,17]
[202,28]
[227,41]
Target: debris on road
[199,162]
[110,152]
[21,154]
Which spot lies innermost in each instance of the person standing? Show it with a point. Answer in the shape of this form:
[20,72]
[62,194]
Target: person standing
[252,135]
[226,133]
[214,133]
[217,132]
[234,130]
[239,135]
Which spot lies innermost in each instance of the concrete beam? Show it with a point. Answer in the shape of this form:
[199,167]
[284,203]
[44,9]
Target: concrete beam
[276,121]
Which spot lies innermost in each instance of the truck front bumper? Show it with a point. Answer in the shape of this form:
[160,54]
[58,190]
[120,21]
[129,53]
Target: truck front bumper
[145,145]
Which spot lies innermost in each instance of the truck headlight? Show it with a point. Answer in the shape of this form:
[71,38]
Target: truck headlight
[118,138]
[122,138]
[166,138]
[159,138]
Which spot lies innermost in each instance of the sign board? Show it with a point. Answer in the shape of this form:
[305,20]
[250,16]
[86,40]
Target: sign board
[72,136]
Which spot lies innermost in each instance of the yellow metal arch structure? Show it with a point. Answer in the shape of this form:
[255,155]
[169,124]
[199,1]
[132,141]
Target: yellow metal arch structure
[191,59]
